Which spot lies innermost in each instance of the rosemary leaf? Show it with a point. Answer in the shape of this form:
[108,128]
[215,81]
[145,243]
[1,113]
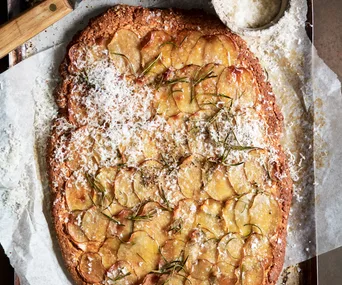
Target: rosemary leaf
[240,147]
[168,43]
[112,219]
[150,66]
[95,184]
[177,80]
[228,250]
[254,225]
[127,59]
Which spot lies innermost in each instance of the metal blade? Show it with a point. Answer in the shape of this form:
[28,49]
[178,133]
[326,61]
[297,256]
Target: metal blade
[75,3]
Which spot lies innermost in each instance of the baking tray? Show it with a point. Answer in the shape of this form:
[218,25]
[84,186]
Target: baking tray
[301,274]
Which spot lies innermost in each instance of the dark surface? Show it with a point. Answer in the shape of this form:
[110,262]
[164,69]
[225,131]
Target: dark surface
[3,19]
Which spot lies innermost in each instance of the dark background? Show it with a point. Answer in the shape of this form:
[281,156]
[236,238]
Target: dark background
[328,41]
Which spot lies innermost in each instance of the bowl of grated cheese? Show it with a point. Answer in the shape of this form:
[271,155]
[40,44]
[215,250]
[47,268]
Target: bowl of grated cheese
[250,17]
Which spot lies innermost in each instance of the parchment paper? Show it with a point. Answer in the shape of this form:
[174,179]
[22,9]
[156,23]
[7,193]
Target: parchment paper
[27,107]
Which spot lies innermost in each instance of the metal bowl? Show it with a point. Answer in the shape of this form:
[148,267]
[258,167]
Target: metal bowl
[284,6]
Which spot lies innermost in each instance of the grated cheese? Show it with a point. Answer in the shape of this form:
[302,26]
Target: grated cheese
[250,13]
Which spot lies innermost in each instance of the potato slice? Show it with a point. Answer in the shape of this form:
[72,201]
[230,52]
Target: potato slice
[124,192]
[94,225]
[77,193]
[218,186]
[200,246]
[248,90]
[238,179]
[105,180]
[121,273]
[156,43]
[90,246]
[251,271]
[190,176]
[259,246]
[238,83]
[232,49]
[109,250]
[255,167]
[224,274]
[208,250]
[141,251]
[124,51]
[154,220]
[230,249]
[185,42]
[265,214]
[241,214]
[229,216]
[146,180]
[183,91]
[205,85]
[209,218]
[166,104]
[183,218]
[196,55]
[123,227]
[201,269]
[91,268]
[226,85]
[113,209]
[153,279]
[76,233]
[171,250]
[173,280]
[158,279]
[149,149]
[215,52]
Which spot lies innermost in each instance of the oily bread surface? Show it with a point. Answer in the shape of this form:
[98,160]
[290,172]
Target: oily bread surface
[141,21]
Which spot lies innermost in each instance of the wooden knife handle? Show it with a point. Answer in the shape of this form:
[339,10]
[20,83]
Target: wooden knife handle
[30,23]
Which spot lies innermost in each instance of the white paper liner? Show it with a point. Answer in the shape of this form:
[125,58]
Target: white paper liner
[27,107]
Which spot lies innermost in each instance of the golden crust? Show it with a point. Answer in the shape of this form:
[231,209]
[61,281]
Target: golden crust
[141,21]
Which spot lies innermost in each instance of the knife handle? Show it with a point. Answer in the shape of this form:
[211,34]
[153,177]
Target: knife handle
[30,23]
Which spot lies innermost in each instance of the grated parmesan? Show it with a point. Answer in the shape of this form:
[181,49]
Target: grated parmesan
[250,13]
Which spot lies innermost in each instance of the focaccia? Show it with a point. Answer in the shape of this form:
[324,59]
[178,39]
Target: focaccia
[165,160]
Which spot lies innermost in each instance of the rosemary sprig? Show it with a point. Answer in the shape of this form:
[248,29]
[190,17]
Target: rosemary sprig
[108,217]
[217,95]
[176,226]
[241,147]
[209,74]
[97,186]
[163,196]
[228,241]
[127,59]
[120,277]
[84,78]
[176,80]
[234,164]
[150,66]
[148,216]
[174,266]
[112,219]
[168,43]
[254,225]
